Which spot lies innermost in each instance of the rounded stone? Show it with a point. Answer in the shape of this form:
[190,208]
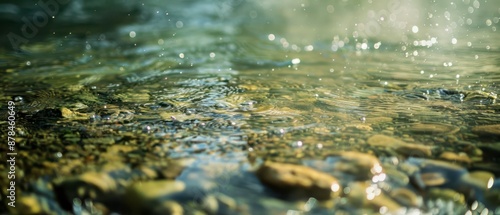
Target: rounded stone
[383,140]
[154,197]
[433,128]
[432,179]
[366,195]
[406,149]
[362,165]
[487,130]
[414,150]
[300,181]
[446,194]
[406,197]
[451,156]
[480,179]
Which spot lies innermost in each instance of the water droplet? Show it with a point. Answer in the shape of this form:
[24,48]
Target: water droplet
[488,22]
[181,55]
[447,15]
[414,29]
[179,24]
[271,37]
[309,48]
[476,4]
[476,57]
[454,41]
[212,55]
[295,61]
[132,34]
[364,46]
[28,63]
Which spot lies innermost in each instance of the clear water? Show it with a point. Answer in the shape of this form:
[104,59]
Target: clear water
[310,75]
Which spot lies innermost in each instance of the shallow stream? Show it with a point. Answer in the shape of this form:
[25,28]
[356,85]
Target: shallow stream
[256,107]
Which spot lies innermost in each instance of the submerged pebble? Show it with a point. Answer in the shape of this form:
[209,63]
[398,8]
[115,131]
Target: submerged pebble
[299,181]
[487,130]
[433,128]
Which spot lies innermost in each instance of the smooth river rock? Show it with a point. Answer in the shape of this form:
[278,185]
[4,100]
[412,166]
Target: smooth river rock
[299,181]
[487,130]
[403,148]
[154,197]
[433,128]
[361,165]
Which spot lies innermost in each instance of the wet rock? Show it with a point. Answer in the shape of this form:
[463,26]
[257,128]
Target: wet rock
[361,165]
[73,115]
[91,185]
[432,179]
[435,173]
[299,181]
[28,205]
[406,197]
[433,128]
[446,194]
[168,208]
[406,149]
[454,157]
[479,179]
[414,150]
[33,204]
[360,126]
[366,195]
[210,204]
[396,176]
[487,130]
[154,197]
[383,140]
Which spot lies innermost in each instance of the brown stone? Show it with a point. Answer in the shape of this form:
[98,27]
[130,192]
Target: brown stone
[362,194]
[362,165]
[383,140]
[433,128]
[407,197]
[433,179]
[487,130]
[300,181]
[451,156]
[414,150]
[154,197]
[406,149]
